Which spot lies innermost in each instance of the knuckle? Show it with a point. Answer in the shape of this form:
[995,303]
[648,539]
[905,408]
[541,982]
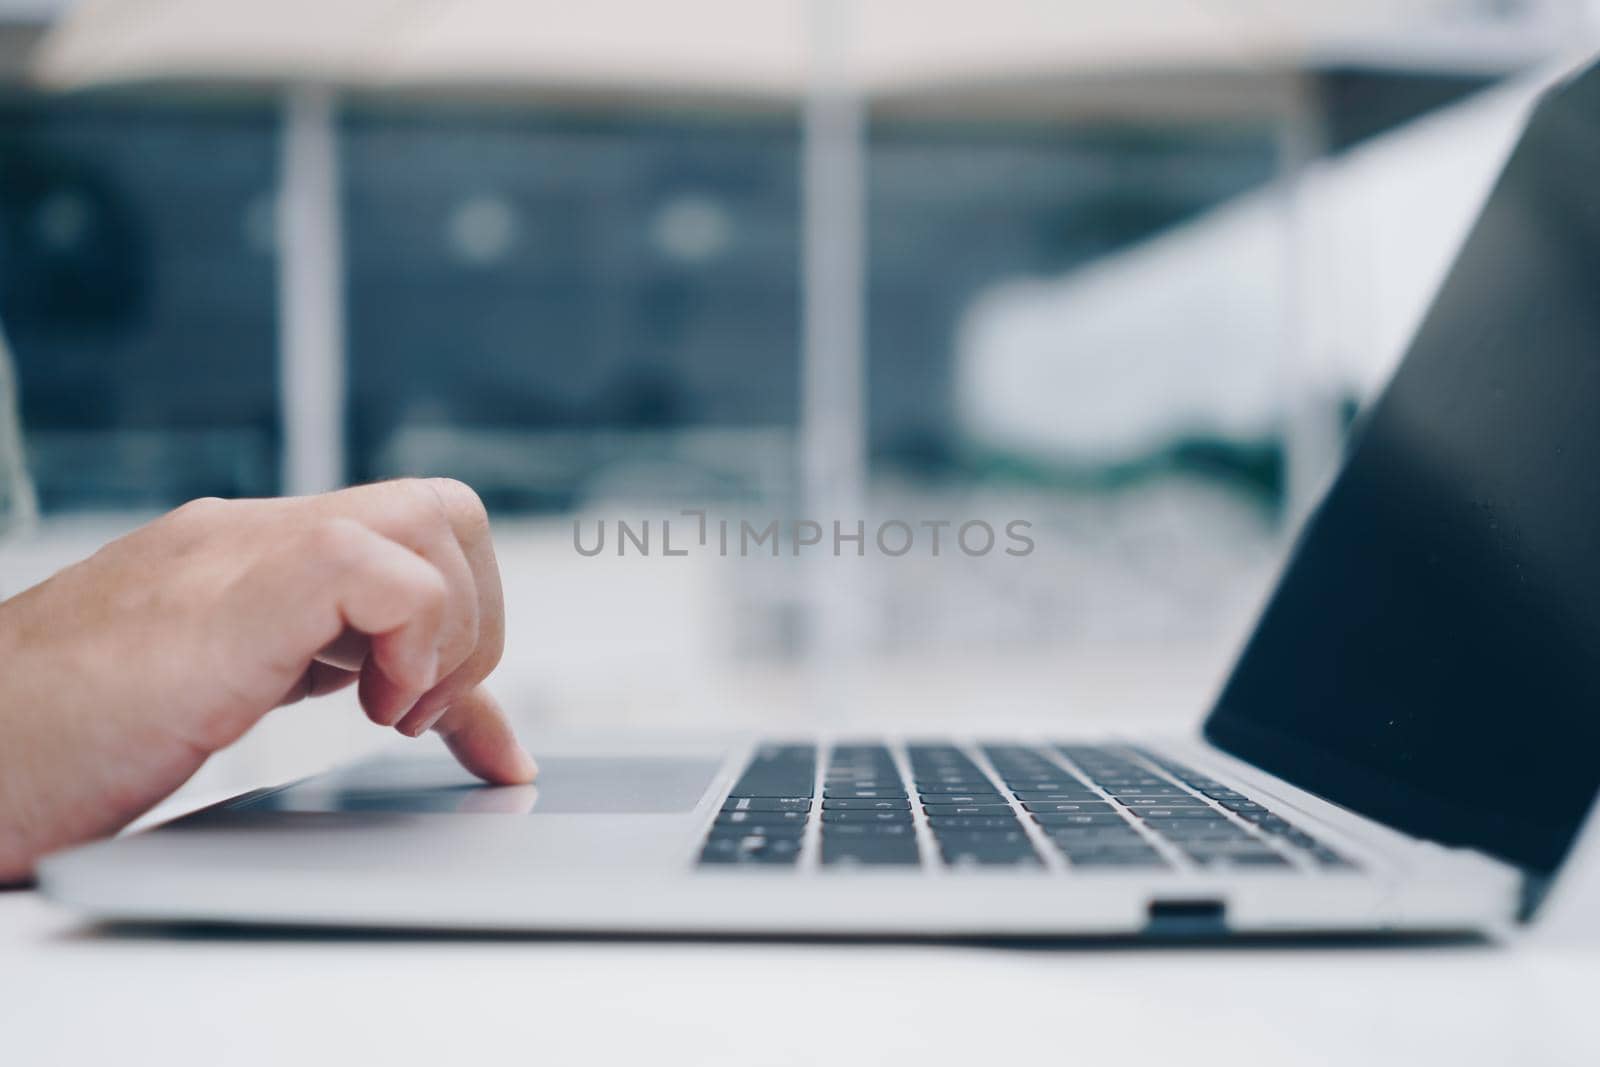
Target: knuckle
[435,589]
[199,511]
[460,503]
[429,593]
[336,541]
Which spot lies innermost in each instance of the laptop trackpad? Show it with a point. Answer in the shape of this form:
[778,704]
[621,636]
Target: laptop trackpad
[567,785]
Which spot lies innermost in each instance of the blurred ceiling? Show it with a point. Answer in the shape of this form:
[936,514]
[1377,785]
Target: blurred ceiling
[762,49]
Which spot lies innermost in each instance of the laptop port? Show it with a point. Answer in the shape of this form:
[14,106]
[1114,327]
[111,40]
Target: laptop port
[1194,917]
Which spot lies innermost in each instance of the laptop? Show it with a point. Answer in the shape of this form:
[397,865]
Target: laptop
[1409,742]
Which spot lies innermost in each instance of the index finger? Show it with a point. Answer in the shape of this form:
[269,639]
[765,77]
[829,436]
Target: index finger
[411,511]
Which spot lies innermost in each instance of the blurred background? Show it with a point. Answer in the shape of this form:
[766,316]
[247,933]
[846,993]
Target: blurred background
[1125,271]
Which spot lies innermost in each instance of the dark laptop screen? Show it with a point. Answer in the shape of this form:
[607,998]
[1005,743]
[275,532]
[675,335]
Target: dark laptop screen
[1431,656]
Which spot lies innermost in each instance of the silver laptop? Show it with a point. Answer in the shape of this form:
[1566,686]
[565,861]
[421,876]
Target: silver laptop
[1409,741]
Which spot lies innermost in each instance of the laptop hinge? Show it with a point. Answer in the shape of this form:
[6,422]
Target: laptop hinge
[1531,894]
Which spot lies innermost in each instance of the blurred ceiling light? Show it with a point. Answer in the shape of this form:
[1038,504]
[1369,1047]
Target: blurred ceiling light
[63,219]
[753,48]
[481,229]
[692,229]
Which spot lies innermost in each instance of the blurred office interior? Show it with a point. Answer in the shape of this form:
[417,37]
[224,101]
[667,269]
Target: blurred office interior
[1127,272]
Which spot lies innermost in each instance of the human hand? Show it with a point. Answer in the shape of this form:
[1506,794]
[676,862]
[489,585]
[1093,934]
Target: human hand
[123,673]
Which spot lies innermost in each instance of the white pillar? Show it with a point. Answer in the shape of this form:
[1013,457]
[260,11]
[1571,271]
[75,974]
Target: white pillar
[18,506]
[833,375]
[311,368]
[1313,436]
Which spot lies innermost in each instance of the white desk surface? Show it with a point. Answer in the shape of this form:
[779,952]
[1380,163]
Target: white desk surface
[69,995]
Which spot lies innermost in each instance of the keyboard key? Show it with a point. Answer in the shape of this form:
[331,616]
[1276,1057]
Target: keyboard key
[1214,843]
[788,829]
[1071,792]
[1071,847]
[1074,807]
[1104,861]
[974,822]
[1164,802]
[758,833]
[866,816]
[1203,814]
[977,837]
[743,859]
[1146,791]
[764,834]
[937,756]
[1196,827]
[1206,855]
[865,804]
[870,852]
[1045,785]
[779,771]
[957,788]
[1105,834]
[984,856]
[1240,859]
[850,793]
[1250,815]
[1087,846]
[1224,845]
[764,818]
[767,804]
[866,829]
[1089,819]
[964,798]
[750,850]
[1115,857]
[1239,856]
[967,809]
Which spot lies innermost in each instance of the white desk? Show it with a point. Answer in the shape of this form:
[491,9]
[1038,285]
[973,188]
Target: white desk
[71,996]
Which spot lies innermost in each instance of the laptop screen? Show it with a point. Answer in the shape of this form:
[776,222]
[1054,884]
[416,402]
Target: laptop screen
[1431,656]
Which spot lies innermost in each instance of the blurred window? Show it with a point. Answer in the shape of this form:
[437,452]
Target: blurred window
[556,306]
[956,209]
[137,291]
[552,307]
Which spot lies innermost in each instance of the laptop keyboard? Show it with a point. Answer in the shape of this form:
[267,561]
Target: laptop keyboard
[1078,807]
